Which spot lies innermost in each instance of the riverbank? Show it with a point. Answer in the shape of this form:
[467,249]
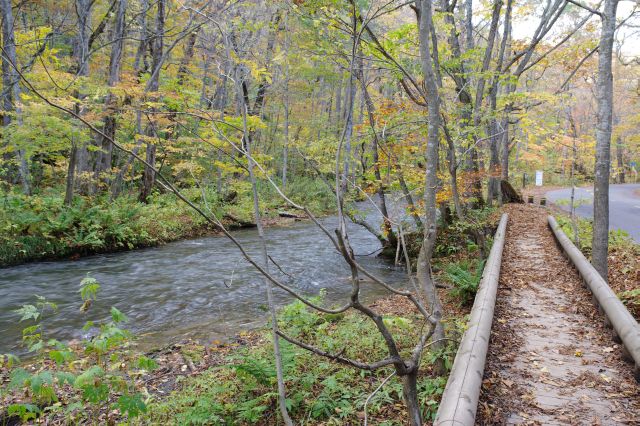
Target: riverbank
[233,382]
[237,386]
[41,227]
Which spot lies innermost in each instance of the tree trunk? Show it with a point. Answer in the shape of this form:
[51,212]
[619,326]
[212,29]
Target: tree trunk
[407,196]
[431,179]
[604,96]
[259,101]
[572,209]
[11,89]
[187,57]
[84,168]
[468,20]
[391,239]
[148,177]
[477,111]
[285,148]
[453,175]
[410,396]
[81,42]
[620,159]
[464,98]
[103,165]
[348,127]
[495,164]
[339,103]
[71,175]
[140,64]
[504,158]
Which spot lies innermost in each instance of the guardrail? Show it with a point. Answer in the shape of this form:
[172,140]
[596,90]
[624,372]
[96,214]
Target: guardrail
[617,315]
[460,398]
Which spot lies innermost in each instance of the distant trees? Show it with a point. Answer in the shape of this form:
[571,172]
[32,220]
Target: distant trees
[150,54]
[11,97]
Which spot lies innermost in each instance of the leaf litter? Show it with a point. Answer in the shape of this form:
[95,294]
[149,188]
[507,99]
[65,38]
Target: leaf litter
[551,360]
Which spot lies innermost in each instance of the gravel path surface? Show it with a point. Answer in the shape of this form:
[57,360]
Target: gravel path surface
[551,360]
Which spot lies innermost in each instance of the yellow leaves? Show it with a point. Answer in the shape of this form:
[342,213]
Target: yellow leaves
[444,194]
[152,105]
[227,168]
[146,139]
[28,37]
[260,73]
[188,167]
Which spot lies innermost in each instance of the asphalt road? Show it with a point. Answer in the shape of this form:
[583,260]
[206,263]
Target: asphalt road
[624,205]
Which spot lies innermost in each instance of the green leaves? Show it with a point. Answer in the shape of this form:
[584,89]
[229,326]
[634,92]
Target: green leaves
[145,363]
[42,387]
[465,277]
[26,412]
[118,316]
[89,377]
[34,312]
[60,356]
[19,377]
[398,322]
[94,390]
[89,288]
[64,377]
[132,405]
[96,393]
[8,360]
[28,312]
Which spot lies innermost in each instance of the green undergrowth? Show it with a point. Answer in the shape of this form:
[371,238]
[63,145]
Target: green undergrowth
[464,276]
[319,391]
[473,234]
[617,238]
[42,227]
[624,259]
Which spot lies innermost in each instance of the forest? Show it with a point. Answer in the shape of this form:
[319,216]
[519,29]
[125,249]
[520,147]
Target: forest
[378,134]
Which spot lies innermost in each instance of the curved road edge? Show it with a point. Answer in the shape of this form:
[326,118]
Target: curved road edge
[624,205]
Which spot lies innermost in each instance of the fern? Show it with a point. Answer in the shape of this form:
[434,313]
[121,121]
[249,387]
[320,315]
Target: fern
[465,277]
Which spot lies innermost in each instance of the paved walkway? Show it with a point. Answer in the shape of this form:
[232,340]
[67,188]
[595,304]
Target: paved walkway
[551,360]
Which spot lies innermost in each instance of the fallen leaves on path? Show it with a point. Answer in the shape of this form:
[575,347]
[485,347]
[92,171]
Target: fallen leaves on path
[551,359]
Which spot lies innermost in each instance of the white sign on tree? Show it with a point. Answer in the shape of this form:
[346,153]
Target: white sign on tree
[538,177]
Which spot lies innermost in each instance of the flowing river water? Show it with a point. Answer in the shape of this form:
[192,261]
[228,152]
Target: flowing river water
[201,288]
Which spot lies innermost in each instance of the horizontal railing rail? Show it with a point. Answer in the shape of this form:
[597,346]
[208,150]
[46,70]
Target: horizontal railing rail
[617,314]
[460,398]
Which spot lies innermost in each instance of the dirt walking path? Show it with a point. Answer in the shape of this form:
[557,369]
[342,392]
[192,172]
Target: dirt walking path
[551,360]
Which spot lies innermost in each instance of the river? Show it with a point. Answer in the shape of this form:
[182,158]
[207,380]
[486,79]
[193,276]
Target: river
[200,288]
